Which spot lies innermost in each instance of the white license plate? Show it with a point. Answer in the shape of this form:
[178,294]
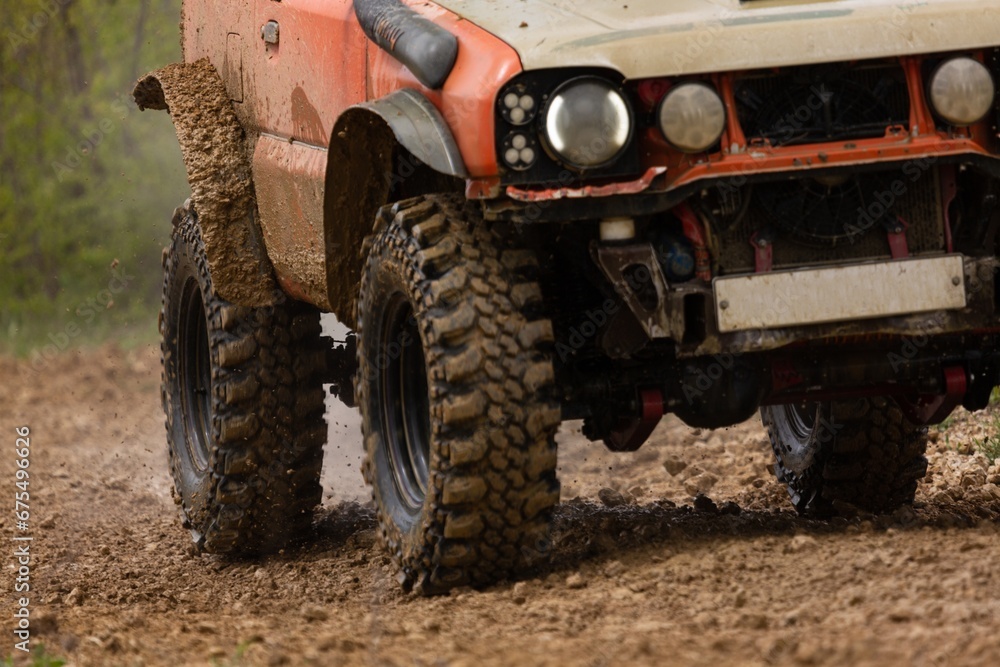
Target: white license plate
[837,294]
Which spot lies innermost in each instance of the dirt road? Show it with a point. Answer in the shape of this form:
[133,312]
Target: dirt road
[637,574]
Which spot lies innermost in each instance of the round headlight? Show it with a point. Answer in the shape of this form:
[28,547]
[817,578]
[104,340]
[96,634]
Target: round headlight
[692,117]
[962,91]
[588,123]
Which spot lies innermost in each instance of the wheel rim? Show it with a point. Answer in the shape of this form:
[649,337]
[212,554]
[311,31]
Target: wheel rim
[194,372]
[801,419]
[798,443]
[405,404]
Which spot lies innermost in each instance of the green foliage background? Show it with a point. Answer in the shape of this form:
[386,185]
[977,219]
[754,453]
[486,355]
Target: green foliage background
[87,182]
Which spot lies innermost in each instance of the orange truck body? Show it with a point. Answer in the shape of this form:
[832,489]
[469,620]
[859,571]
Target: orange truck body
[289,96]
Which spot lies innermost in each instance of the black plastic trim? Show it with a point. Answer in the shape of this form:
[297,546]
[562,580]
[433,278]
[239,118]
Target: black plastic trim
[427,49]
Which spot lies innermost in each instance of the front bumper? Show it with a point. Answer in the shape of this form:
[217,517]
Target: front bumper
[925,304]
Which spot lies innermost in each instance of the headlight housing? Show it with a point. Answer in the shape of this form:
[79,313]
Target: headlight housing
[587,123]
[962,91]
[692,117]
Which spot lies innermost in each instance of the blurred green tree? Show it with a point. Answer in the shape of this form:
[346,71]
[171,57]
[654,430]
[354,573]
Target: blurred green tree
[87,185]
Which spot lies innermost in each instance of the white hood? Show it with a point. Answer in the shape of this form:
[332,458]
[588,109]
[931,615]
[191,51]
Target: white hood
[646,38]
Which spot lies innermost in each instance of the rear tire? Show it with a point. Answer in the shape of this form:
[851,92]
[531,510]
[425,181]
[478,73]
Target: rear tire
[455,391]
[243,396]
[863,452]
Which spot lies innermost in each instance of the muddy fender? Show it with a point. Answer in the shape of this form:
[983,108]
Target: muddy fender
[421,129]
[218,170]
[361,170]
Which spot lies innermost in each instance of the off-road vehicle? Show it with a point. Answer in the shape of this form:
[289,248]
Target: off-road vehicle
[528,212]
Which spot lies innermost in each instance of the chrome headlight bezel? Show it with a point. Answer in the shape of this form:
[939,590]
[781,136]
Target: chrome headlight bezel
[711,109]
[946,102]
[567,151]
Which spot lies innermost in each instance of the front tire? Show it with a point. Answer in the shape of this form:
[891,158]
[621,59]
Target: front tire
[863,452]
[243,396]
[455,391]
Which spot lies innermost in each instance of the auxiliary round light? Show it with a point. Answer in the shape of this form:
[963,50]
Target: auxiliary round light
[692,117]
[962,91]
[519,151]
[517,107]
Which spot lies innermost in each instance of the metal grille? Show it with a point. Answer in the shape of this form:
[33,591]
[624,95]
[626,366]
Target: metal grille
[919,206]
[823,103]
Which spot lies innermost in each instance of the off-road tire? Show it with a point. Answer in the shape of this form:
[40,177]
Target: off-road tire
[244,401]
[470,299]
[863,452]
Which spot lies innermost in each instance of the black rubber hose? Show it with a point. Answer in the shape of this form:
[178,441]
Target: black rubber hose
[423,46]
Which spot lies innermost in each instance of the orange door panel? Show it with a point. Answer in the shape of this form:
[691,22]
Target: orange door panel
[308,66]
[314,71]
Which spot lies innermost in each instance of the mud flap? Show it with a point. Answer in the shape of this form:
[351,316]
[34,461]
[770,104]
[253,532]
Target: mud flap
[218,170]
